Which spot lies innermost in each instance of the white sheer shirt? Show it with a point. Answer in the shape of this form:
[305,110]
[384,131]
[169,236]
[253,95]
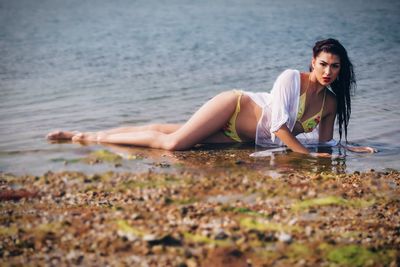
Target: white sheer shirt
[279,107]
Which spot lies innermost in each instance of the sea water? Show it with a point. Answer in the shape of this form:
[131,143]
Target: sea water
[96,64]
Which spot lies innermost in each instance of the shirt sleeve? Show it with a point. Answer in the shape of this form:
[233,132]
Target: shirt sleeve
[282,102]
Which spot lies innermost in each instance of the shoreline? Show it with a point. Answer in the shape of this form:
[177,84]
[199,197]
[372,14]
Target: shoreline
[192,217]
[102,158]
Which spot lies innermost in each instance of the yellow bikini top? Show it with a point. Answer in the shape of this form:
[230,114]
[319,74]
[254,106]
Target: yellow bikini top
[311,123]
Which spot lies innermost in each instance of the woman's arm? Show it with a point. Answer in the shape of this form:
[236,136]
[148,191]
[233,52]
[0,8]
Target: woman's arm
[291,141]
[326,127]
[327,123]
[284,134]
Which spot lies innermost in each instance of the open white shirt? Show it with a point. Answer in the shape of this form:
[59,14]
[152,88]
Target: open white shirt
[279,107]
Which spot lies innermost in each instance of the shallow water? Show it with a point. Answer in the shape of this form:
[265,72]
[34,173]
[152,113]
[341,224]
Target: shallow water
[90,65]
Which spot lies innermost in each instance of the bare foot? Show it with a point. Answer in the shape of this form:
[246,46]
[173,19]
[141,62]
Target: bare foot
[61,135]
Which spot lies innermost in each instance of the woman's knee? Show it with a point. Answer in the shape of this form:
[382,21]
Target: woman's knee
[173,143]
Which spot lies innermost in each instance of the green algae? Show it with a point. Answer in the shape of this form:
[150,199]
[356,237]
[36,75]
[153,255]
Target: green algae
[353,255]
[66,161]
[151,183]
[124,226]
[135,157]
[8,231]
[244,210]
[48,227]
[184,201]
[103,156]
[299,251]
[253,224]
[196,238]
[347,255]
[289,255]
[94,157]
[265,255]
[331,200]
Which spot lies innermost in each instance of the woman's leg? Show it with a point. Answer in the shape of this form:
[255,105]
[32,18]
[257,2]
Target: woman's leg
[209,119]
[67,135]
[164,128]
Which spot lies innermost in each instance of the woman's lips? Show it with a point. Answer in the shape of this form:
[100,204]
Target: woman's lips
[326,79]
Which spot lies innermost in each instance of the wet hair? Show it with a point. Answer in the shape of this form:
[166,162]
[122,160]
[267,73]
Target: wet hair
[344,85]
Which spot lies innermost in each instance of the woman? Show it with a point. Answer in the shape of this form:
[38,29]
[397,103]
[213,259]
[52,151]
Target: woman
[298,103]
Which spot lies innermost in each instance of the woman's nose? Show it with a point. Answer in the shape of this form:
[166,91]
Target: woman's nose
[328,70]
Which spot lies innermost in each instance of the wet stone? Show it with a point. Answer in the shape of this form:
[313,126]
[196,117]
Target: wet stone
[286,238]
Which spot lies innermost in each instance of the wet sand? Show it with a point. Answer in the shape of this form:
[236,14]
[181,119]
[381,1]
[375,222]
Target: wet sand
[217,208]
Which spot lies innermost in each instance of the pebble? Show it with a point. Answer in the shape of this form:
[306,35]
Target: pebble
[308,231]
[191,263]
[220,235]
[285,238]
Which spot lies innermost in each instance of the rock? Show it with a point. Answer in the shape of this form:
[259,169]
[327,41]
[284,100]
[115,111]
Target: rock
[136,216]
[157,249]
[15,195]
[309,231]
[191,263]
[183,210]
[220,235]
[285,238]
[220,257]
[166,240]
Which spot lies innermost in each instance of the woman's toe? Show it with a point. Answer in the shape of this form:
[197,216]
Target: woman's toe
[53,135]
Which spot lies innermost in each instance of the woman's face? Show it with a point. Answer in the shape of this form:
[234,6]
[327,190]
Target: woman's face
[326,68]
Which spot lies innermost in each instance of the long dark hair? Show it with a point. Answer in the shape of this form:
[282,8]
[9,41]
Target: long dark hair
[344,85]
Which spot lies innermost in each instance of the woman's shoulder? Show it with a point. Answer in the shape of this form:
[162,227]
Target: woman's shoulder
[290,73]
[289,76]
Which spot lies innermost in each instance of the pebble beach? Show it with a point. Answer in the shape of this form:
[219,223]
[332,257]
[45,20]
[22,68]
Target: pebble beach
[204,208]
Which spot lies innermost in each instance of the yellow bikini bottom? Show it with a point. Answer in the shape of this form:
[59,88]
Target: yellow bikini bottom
[230,127]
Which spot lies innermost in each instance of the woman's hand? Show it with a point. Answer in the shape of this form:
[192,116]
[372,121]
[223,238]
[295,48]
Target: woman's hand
[360,149]
[325,155]
[320,155]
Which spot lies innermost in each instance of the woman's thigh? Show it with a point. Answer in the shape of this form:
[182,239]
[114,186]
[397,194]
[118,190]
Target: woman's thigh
[206,122]
[166,128]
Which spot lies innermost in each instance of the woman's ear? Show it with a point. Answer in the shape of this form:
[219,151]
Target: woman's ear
[313,63]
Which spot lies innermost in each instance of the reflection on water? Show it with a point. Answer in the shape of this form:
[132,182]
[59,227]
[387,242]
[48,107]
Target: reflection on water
[204,158]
